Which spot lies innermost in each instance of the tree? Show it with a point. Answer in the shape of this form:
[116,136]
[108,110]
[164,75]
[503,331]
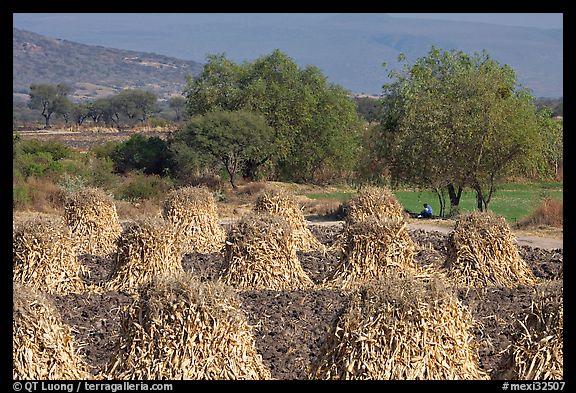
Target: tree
[49,99]
[232,137]
[452,121]
[135,104]
[178,105]
[296,104]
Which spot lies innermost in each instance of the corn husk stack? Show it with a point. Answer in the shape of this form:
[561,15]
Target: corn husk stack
[400,328]
[372,247]
[281,203]
[43,347]
[93,221]
[373,201]
[260,254]
[481,252]
[44,257]
[180,328]
[146,248]
[194,210]
[537,351]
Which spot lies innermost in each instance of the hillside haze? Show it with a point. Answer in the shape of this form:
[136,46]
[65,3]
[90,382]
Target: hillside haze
[94,71]
[348,48]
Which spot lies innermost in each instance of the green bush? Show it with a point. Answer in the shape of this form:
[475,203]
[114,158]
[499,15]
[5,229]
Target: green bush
[140,186]
[20,197]
[149,155]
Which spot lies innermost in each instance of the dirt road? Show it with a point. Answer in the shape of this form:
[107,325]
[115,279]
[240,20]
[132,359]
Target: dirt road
[523,240]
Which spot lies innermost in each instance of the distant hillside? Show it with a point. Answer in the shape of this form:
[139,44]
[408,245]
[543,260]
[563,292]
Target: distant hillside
[349,48]
[94,70]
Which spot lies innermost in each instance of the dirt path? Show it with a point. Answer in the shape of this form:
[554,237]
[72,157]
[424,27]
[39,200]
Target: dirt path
[523,240]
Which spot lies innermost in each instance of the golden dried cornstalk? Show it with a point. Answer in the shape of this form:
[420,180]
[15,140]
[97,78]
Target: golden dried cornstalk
[481,252]
[400,327]
[280,203]
[537,351]
[44,257]
[43,347]
[180,328]
[373,201]
[92,218]
[146,248]
[371,247]
[193,210]
[260,254]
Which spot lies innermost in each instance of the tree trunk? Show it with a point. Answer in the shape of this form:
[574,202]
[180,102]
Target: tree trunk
[251,168]
[47,121]
[454,199]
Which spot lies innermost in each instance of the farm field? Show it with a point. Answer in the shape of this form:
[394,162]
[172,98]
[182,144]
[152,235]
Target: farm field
[290,325]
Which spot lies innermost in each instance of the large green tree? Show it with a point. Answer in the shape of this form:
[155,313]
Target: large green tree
[231,137]
[49,99]
[453,120]
[299,105]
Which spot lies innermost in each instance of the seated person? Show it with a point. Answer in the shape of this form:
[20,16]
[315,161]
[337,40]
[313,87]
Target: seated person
[427,212]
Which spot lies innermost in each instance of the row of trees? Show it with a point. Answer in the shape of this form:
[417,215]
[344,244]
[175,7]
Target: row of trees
[447,122]
[124,109]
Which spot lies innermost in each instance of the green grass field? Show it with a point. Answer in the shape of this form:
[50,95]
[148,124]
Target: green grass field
[514,201]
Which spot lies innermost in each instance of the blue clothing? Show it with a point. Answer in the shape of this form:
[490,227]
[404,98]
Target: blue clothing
[427,212]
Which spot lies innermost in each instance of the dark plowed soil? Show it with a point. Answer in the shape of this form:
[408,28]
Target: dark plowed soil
[290,325]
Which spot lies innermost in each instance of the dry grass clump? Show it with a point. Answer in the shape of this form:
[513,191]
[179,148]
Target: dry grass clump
[550,212]
[180,328]
[369,248]
[400,328]
[146,248]
[537,352]
[43,347]
[44,256]
[281,203]
[93,220]
[373,201]
[481,252]
[194,211]
[260,254]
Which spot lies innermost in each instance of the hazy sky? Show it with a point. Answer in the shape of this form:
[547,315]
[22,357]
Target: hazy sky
[541,20]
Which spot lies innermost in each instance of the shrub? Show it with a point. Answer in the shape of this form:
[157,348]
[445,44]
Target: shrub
[550,212]
[140,186]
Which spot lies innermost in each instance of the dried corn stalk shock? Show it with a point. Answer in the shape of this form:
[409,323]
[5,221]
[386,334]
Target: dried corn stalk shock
[180,328]
[400,327]
[93,220]
[537,350]
[146,248]
[481,252]
[44,257]
[43,347]
[281,203]
[372,247]
[194,210]
[260,254]
[373,201]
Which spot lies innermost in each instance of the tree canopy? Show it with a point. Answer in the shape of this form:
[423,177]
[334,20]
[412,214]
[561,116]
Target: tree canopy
[299,105]
[453,120]
[233,138]
[49,99]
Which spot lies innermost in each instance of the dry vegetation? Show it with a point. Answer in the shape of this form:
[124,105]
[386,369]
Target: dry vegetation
[400,320]
[481,252]
[179,328]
